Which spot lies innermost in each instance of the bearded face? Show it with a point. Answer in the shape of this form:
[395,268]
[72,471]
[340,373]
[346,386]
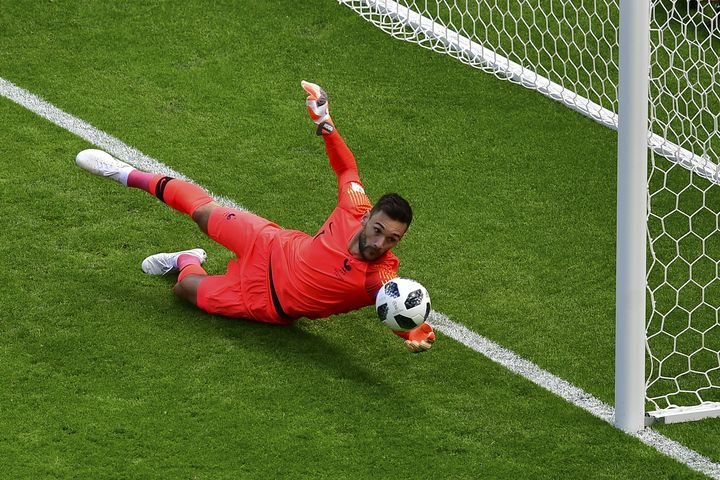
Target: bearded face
[379,234]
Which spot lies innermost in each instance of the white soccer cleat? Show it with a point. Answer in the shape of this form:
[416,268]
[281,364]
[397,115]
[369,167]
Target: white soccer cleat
[103,164]
[164,263]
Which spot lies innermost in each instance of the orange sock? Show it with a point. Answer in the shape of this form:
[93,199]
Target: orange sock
[183,196]
[192,269]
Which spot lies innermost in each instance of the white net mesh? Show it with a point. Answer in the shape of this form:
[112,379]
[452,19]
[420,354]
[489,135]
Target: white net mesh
[684,290]
[568,50]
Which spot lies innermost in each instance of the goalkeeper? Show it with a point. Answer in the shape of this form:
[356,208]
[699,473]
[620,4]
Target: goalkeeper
[280,275]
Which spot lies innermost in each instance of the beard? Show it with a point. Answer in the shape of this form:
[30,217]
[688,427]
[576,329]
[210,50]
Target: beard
[366,251]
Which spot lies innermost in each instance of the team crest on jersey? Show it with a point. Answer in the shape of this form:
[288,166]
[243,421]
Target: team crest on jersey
[342,271]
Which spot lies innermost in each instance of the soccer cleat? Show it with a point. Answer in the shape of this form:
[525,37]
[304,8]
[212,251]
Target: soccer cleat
[103,164]
[317,103]
[164,263]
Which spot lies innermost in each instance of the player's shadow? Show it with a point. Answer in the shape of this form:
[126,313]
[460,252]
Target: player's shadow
[295,343]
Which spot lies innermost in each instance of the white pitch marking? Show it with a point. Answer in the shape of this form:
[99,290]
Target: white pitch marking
[572,394]
[507,358]
[97,137]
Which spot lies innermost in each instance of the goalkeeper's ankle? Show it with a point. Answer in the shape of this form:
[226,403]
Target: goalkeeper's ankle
[141,180]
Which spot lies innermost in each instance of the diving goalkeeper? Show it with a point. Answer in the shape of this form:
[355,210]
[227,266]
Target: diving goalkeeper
[280,275]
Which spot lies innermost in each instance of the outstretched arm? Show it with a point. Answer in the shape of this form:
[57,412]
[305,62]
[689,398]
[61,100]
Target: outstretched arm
[341,158]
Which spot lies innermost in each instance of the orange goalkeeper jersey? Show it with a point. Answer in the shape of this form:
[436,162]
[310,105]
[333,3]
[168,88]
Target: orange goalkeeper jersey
[317,276]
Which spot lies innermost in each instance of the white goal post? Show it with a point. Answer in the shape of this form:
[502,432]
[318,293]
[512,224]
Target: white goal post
[649,69]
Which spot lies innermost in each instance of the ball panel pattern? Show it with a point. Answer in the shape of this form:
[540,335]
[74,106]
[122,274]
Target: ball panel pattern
[413,299]
[382,311]
[405,322]
[392,290]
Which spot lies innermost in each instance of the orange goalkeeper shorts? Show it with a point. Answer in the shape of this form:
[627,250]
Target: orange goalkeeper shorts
[244,290]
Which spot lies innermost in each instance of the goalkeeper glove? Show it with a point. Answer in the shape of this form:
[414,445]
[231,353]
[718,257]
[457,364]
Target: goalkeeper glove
[418,339]
[317,103]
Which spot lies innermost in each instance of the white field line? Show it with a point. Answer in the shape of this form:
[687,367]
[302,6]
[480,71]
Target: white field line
[93,135]
[415,26]
[442,323]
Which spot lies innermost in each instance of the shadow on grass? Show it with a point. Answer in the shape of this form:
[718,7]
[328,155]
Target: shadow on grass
[295,344]
[333,348]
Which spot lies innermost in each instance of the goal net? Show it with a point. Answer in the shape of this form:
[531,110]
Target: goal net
[568,51]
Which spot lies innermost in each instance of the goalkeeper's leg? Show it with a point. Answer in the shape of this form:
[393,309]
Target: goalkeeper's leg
[191,274]
[188,265]
[183,196]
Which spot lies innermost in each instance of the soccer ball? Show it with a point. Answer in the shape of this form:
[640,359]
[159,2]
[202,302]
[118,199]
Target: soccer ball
[402,304]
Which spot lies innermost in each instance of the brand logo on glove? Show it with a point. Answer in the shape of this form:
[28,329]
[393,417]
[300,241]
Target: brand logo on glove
[325,128]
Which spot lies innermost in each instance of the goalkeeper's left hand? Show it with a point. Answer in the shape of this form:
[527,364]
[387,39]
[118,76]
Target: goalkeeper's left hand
[418,339]
[317,103]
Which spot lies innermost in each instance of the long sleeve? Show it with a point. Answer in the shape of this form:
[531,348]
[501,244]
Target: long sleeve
[341,158]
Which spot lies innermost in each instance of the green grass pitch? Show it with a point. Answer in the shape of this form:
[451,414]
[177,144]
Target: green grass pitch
[106,375]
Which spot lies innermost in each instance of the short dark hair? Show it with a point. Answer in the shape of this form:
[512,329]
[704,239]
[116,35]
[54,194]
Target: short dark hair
[395,207]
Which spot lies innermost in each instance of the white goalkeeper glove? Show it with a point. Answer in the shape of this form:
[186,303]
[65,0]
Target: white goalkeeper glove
[317,103]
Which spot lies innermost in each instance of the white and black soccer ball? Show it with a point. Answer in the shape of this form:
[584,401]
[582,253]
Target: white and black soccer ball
[402,304]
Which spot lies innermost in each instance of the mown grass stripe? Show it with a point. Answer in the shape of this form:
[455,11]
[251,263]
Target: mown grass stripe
[498,354]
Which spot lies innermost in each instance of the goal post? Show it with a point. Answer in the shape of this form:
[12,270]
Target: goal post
[634,32]
[617,62]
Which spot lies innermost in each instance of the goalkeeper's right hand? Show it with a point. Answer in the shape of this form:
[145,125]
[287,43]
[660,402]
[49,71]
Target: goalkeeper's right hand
[317,103]
[419,339]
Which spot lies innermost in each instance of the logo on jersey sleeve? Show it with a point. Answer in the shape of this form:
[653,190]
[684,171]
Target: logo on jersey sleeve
[322,232]
[357,196]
